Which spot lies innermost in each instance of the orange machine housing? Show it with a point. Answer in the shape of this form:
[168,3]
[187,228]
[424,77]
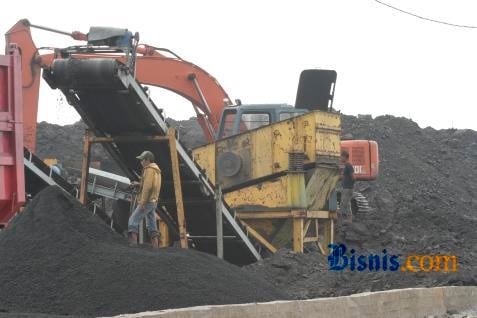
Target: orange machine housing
[364,156]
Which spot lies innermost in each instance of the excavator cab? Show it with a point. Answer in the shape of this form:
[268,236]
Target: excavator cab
[315,92]
[242,118]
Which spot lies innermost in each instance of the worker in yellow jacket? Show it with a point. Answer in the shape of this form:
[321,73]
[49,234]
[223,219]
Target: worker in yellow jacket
[150,186]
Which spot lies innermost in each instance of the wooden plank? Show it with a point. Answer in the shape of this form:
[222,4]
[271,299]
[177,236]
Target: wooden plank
[298,235]
[310,214]
[264,215]
[318,214]
[321,248]
[317,233]
[284,214]
[326,236]
[85,167]
[307,226]
[177,188]
[259,237]
[164,240]
[298,213]
[310,239]
[329,233]
[332,231]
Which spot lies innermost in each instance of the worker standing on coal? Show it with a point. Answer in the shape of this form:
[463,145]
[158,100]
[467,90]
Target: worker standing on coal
[150,186]
[347,184]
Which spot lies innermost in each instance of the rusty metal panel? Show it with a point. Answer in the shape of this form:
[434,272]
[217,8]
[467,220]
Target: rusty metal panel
[328,129]
[327,142]
[308,124]
[205,157]
[269,194]
[233,163]
[283,133]
[327,119]
[262,152]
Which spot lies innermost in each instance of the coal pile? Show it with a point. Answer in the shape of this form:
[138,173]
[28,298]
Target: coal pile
[424,204]
[190,132]
[58,258]
[61,142]
[65,143]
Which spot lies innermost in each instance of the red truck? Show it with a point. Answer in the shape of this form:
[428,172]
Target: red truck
[12,180]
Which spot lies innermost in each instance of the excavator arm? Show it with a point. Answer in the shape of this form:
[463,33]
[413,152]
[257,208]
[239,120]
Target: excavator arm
[152,67]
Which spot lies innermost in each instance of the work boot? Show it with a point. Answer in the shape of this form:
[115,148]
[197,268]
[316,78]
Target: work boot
[349,218]
[133,239]
[154,239]
[155,242]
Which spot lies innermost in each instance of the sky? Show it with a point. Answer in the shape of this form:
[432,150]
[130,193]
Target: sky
[387,62]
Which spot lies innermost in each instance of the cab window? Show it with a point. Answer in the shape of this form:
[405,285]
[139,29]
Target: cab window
[254,120]
[228,125]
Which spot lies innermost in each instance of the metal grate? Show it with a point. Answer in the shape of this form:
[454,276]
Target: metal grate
[295,161]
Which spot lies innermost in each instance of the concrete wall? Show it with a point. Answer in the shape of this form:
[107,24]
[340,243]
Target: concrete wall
[412,302]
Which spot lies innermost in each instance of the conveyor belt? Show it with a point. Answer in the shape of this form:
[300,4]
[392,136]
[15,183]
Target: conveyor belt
[108,185]
[39,175]
[112,103]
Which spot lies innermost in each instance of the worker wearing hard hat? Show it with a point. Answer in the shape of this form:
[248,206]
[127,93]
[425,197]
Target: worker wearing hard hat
[347,182]
[150,187]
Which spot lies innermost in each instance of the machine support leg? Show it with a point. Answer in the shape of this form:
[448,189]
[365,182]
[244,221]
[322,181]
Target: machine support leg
[164,230]
[219,222]
[177,188]
[328,234]
[298,235]
[85,167]
[141,232]
[259,237]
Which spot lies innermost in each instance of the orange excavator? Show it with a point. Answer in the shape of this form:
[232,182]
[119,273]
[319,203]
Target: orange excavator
[162,68]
